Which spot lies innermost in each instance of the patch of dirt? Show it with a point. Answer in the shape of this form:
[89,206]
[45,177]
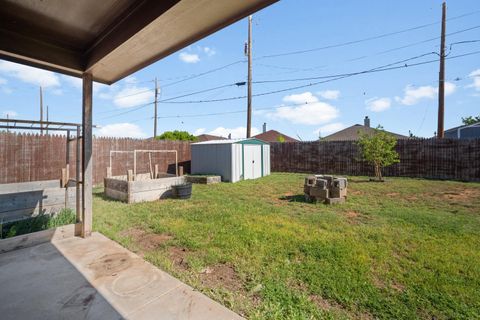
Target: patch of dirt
[356,192]
[110,264]
[328,305]
[147,241]
[178,255]
[382,285]
[393,194]
[221,275]
[463,195]
[355,217]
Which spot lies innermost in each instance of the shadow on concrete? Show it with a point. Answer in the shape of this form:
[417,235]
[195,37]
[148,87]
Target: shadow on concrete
[40,283]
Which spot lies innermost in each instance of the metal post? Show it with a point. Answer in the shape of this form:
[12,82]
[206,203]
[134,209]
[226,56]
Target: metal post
[78,202]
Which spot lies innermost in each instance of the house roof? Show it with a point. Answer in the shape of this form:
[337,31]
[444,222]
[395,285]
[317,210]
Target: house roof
[352,133]
[232,141]
[463,126]
[109,39]
[208,137]
[272,136]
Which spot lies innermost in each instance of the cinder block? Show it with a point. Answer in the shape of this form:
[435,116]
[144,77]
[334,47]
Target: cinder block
[340,183]
[321,183]
[335,201]
[306,189]
[310,180]
[319,193]
[338,193]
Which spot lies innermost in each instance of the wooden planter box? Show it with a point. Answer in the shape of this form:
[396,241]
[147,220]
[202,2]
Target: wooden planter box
[119,188]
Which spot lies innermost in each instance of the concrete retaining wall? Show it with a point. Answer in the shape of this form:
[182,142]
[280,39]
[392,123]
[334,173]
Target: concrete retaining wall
[142,190]
[28,199]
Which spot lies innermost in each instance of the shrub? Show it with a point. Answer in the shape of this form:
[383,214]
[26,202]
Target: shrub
[378,149]
[176,135]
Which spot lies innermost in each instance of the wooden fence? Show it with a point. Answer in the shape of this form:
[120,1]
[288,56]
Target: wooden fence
[424,158]
[33,157]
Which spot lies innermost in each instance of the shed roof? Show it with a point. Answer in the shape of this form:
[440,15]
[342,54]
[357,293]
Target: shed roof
[109,38]
[232,141]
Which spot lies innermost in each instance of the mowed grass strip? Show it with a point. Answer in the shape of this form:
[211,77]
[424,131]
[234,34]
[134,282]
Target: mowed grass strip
[404,249]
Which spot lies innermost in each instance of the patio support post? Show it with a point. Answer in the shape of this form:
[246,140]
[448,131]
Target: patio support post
[87,155]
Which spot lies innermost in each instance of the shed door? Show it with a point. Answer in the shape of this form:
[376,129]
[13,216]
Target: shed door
[253,161]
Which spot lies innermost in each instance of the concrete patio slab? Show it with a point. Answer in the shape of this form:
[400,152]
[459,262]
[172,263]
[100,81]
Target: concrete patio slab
[95,278]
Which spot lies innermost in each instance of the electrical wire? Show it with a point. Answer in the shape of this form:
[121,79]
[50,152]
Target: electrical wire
[336,77]
[343,44]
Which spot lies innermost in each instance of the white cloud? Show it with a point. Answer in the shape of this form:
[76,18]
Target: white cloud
[199,131]
[412,95]
[209,51]
[310,110]
[30,75]
[10,114]
[189,57]
[329,94]
[121,130]
[329,128]
[133,96]
[476,80]
[237,133]
[378,104]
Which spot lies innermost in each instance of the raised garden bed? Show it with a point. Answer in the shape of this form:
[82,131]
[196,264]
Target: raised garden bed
[141,190]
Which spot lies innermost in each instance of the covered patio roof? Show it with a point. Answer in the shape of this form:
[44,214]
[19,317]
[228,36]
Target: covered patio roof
[109,39]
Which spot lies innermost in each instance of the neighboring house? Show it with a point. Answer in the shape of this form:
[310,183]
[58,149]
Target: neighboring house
[354,132]
[273,136]
[208,137]
[464,132]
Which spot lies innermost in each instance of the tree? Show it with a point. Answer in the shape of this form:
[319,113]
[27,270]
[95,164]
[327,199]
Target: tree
[470,120]
[176,135]
[280,138]
[379,150]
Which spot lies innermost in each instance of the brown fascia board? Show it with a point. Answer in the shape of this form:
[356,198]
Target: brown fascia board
[30,51]
[127,25]
[173,49]
[22,49]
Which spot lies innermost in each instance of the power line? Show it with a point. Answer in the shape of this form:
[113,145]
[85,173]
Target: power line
[343,44]
[203,73]
[378,69]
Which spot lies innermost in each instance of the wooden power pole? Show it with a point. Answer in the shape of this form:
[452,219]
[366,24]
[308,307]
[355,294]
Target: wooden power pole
[249,94]
[441,77]
[155,116]
[41,110]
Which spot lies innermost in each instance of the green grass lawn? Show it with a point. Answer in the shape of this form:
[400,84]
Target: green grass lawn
[403,249]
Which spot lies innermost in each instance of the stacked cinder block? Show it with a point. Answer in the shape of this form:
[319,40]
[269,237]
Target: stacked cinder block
[325,188]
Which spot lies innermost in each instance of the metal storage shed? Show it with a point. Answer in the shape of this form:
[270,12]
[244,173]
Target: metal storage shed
[234,160]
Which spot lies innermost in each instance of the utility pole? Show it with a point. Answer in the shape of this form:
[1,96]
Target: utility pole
[441,76]
[249,98]
[155,117]
[47,121]
[41,110]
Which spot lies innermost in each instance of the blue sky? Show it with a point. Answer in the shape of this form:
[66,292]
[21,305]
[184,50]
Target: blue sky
[400,100]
